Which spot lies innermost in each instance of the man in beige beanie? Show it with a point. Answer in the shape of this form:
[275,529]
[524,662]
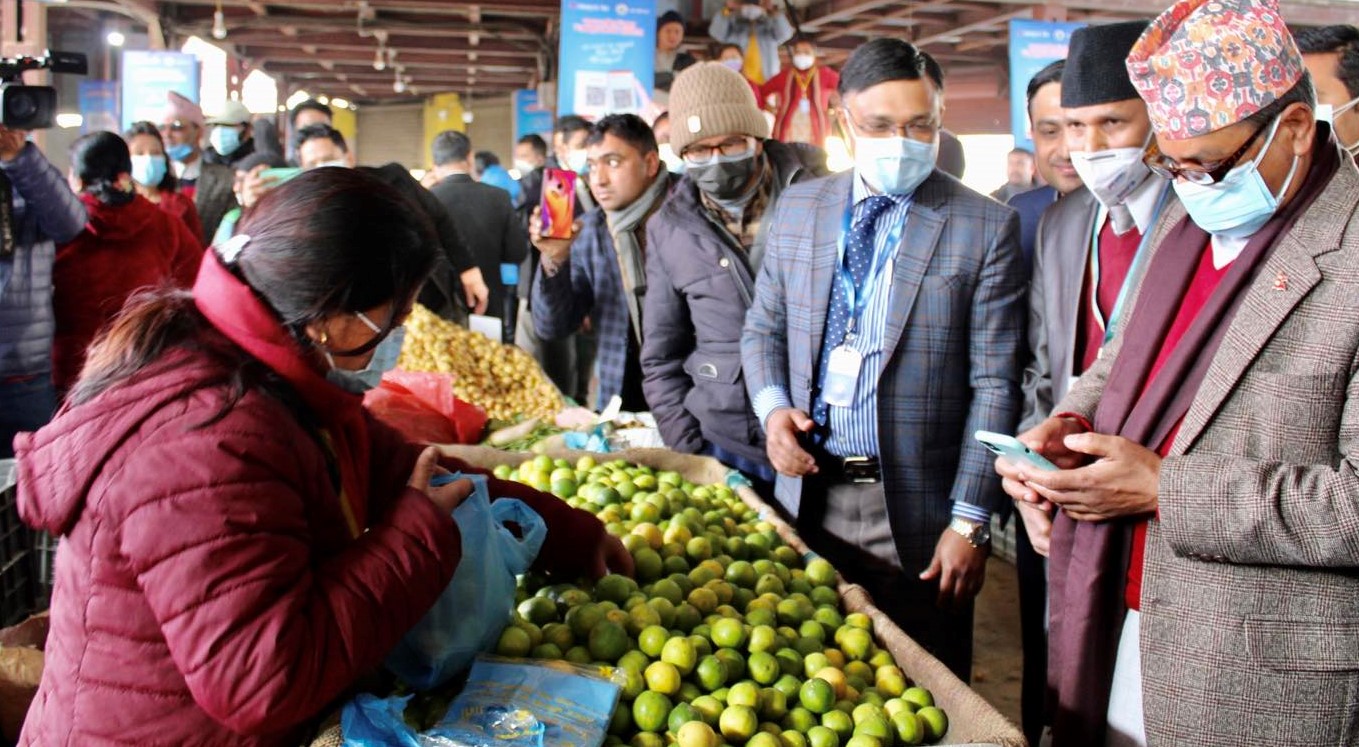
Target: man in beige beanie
[704,250]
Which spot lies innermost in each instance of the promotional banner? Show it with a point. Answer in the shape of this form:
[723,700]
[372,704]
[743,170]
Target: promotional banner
[607,57]
[530,118]
[148,75]
[98,106]
[1033,45]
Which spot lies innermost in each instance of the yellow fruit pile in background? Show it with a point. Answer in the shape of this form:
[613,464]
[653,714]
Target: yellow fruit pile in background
[502,379]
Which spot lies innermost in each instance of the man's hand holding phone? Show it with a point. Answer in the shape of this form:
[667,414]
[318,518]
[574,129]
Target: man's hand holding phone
[557,250]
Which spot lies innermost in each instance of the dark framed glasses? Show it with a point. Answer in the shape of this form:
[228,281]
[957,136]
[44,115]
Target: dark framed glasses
[176,126]
[1208,173]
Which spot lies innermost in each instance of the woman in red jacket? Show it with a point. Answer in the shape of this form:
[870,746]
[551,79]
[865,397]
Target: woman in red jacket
[241,541]
[153,178]
[127,245]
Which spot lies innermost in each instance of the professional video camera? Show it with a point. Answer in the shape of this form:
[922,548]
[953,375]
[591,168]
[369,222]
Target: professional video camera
[34,107]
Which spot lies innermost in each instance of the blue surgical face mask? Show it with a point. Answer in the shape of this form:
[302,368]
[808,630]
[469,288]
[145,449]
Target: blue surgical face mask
[148,171]
[894,165]
[179,152]
[225,140]
[1241,203]
[384,359]
[578,161]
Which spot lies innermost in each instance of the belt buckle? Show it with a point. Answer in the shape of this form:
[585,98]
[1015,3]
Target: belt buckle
[861,469]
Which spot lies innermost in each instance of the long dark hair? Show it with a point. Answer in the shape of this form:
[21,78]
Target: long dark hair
[98,159]
[328,242]
[169,183]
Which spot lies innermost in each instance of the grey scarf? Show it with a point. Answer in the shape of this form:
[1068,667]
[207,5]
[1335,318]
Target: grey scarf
[625,226]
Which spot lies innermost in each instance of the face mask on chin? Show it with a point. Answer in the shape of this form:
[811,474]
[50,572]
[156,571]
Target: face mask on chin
[384,359]
[1239,205]
[179,152]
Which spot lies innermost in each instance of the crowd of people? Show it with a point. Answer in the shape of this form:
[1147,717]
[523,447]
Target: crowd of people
[1161,312]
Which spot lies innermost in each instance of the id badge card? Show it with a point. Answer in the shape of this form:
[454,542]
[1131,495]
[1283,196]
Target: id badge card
[842,376]
[804,106]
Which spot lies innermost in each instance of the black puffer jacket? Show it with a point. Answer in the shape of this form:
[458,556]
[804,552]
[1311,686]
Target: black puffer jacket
[700,283]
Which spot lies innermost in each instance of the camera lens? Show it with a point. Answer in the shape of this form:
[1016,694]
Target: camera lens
[19,108]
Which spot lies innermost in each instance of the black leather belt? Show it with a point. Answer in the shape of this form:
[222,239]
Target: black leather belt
[852,469]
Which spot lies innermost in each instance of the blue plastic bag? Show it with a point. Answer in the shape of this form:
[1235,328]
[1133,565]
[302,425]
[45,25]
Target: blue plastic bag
[471,613]
[370,721]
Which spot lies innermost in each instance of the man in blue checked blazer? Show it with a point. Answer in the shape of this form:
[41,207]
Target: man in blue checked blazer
[888,326]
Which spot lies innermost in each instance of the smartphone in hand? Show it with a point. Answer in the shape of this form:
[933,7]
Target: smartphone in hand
[1013,449]
[558,206]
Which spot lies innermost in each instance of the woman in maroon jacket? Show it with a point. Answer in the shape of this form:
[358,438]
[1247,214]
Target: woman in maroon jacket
[153,178]
[240,540]
[127,245]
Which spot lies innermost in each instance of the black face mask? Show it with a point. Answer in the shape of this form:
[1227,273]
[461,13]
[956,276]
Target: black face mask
[723,178]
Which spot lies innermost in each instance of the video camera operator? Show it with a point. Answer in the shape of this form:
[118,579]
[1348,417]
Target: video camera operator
[38,210]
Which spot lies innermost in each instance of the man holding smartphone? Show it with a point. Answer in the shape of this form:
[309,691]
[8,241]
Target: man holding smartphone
[1203,557]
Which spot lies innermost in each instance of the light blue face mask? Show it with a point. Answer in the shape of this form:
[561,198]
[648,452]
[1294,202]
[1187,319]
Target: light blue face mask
[225,140]
[148,171]
[1241,203]
[894,165]
[384,359]
[179,151]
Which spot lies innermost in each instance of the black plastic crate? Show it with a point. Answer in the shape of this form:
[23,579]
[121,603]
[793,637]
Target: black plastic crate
[18,572]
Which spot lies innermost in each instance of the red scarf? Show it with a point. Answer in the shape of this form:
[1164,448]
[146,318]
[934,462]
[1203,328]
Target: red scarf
[233,308]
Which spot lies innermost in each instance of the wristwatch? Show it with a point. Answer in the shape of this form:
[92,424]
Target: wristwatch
[977,534]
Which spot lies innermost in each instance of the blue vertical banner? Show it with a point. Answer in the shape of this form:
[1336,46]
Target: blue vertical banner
[1033,45]
[607,58]
[99,106]
[531,117]
[149,75]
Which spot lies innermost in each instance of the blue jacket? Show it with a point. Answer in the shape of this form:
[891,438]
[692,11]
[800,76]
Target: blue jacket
[1030,206]
[46,213]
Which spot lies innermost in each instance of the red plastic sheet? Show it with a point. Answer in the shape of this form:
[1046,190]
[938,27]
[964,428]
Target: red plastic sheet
[424,409]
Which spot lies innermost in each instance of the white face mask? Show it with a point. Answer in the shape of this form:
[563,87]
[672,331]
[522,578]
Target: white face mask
[577,160]
[752,12]
[1111,175]
[339,163]
[523,167]
[735,63]
[1327,113]
[673,163]
[804,62]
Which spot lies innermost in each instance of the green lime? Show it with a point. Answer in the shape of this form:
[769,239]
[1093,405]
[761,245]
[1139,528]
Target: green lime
[763,667]
[738,723]
[650,711]
[918,697]
[680,653]
[820,736]
[652,639]
[839,722]
[729,633]
[663,678]
[696,734]
[514,642]
[908,728]
[708,708]
[608,641]
[935,722]
[817,696]
[680,715]
[711,673]
[744,693]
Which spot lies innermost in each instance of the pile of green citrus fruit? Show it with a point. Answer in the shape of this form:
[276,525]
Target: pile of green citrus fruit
[725,636]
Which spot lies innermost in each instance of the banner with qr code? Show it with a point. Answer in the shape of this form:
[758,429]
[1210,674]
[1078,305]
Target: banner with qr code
[607,57]
[1033,44]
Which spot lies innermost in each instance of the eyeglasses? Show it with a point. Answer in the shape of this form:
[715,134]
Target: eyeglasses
[175,126]
[731,147]
[1208,173]
[913,130]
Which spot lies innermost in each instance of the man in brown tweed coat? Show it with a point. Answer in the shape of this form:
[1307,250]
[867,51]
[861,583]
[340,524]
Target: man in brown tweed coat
[1204,585]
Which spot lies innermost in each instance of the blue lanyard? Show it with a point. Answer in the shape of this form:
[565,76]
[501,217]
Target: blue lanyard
[1138,260]
[858,302]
